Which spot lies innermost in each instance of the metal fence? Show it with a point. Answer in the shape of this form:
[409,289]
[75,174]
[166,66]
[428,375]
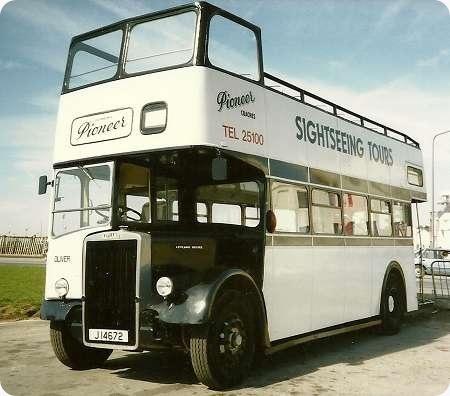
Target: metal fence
[440,274]
[23,246]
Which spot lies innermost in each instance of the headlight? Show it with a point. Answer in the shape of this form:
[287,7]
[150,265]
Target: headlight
[154,118]
[164,286]
[61,287]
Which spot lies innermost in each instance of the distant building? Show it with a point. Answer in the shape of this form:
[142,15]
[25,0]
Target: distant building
[443,223]
[441,227]
[441,230]
[424,237]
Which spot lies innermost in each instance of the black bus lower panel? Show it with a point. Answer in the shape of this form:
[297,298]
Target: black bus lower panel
[58,310]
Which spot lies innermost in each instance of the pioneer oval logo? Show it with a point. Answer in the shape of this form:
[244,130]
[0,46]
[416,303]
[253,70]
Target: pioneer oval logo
[100,127]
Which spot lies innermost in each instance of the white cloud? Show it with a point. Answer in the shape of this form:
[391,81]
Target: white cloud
[46,101]
[390,13]
[46,18]
[48,57]
[27,131]
[124,9]
[28,143]
[336,65]
[10,65]
[434,60]
[33,163]
[52,26]
[24,215]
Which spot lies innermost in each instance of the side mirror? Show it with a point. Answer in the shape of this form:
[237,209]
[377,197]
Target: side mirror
[43,183]
[219,168]
[271,221]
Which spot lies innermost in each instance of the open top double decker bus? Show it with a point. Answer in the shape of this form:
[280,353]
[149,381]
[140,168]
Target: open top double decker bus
[204,205]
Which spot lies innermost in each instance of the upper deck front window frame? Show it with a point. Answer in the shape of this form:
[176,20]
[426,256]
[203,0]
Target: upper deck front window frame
[204,11]
[126,26]
[73,50]
[202,55]
[131,25]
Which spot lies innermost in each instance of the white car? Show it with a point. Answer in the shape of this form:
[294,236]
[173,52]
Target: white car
[423,265]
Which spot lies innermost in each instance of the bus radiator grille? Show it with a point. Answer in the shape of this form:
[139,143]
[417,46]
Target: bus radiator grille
[110,287]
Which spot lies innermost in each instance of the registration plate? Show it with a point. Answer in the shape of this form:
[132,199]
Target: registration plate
[108,335]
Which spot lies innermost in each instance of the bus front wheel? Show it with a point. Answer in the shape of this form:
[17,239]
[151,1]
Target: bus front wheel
[392,304]
[71,352]
[222,352]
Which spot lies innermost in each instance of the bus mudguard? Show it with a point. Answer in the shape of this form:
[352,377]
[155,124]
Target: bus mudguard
[58,310]
[194,305]
[393,265]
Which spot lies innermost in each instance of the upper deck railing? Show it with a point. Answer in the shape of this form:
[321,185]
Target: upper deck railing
[316,101]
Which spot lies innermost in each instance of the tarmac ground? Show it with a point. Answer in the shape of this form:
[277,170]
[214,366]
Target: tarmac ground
[414,362]
[21,260]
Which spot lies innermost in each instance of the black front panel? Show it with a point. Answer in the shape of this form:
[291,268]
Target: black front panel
[110,287]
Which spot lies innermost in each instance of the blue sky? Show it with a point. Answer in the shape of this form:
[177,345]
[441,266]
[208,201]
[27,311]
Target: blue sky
[387,59]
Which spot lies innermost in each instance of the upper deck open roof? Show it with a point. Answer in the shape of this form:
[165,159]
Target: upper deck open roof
[200,59]
[303,96]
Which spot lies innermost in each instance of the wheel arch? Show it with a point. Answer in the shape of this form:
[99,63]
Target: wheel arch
[243,282]
[197,307]
[393,268]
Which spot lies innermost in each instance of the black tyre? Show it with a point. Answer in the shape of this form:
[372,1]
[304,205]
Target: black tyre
[222,352]
[71,352]
[393,304]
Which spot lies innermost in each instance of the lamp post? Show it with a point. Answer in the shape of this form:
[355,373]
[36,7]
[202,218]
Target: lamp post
[433,239]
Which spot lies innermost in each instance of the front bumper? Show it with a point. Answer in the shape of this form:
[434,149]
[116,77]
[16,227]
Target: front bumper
[152,333]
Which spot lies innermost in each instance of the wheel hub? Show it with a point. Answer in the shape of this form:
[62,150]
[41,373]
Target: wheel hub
[231,338]
[391,303]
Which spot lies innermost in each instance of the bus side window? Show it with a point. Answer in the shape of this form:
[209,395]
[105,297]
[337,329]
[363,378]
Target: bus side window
[291,207]
[226,213]
[229,203]
[134,193]
[414,176]
[356,215]
[202,212]
[166,199]
[401,213]
[326,212]
[380,217]
[251,216]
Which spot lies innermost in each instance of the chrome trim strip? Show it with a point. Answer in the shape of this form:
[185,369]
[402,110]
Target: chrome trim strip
[115,235]
[319,335]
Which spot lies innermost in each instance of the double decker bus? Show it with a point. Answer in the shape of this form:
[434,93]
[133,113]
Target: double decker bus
[201,204]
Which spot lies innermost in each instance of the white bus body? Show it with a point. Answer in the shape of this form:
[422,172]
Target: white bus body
[310,281]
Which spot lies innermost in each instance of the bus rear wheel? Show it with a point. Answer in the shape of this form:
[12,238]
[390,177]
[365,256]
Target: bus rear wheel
[392,304]
[71,352]
[223,351]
